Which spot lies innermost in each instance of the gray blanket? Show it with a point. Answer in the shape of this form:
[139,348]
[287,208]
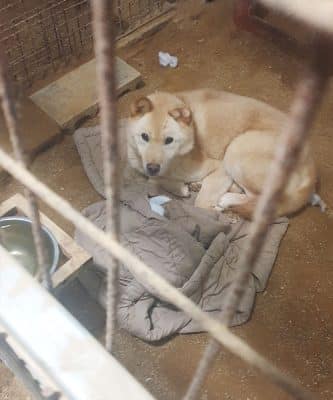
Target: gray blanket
[195,250]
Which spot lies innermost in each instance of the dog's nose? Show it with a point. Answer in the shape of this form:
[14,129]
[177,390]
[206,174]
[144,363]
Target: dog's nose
[153,169]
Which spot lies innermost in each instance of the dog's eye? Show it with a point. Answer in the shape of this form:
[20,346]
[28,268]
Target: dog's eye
[168,140]
[145,137]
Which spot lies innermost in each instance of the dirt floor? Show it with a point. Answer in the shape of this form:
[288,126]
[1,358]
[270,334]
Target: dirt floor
[293,322]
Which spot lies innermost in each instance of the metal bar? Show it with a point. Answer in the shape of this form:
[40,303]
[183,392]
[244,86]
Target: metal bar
[104,35]
[10,115]
[151,7]
[130,11]
[120,16]
[68,34]
[46,43]
[24,61]
[56,348]
[307,98]
[165,290]
[56,35]
[10,359]
[78,22]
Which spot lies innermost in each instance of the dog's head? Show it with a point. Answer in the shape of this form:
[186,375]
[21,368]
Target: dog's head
[161,128]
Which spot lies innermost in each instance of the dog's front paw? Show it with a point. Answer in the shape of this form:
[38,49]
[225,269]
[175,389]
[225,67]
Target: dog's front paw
[232,217]
[185,191]
[195,186]
[225,201]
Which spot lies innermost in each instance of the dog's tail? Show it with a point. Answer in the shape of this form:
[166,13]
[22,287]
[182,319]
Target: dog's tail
[317,201]
[288,204]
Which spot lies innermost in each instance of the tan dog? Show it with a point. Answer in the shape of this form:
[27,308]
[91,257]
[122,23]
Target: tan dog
[216,138]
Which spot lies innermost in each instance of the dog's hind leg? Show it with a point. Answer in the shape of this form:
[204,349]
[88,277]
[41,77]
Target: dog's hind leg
[239,203]
[214,186]
[247,160]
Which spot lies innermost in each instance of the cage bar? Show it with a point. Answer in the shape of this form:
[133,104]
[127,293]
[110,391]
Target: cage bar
[9,111]
[307,98]
[104,34]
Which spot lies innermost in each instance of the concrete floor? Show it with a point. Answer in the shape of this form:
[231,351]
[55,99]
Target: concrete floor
[292,323]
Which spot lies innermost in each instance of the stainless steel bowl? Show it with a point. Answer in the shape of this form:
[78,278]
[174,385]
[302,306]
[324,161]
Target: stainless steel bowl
[16,237]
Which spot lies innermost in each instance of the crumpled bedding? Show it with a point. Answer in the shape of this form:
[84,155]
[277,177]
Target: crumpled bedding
[196,250]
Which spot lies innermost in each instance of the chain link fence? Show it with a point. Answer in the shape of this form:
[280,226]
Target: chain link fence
[40,36]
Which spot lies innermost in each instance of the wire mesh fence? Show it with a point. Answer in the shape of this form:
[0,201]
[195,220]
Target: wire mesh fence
[38,36]
[307,97]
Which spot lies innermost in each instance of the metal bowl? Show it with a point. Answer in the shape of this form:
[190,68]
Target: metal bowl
[16,237]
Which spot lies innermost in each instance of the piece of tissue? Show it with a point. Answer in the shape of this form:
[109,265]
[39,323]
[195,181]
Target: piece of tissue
[167,60]
[156,204]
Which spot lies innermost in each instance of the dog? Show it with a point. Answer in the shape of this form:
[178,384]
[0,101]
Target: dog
[221,140]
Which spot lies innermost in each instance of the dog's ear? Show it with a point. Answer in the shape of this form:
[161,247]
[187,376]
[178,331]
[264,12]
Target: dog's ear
[141,106]
[182,114]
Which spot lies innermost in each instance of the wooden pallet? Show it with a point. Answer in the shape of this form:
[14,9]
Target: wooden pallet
[76,256]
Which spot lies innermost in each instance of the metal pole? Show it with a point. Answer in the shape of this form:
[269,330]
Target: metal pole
[307,98]
[104,35]
[10,115]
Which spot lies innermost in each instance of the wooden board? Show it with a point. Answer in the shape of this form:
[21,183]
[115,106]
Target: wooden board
[76,255]
[73,97]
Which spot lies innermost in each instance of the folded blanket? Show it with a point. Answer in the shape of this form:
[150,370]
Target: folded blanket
[196,250]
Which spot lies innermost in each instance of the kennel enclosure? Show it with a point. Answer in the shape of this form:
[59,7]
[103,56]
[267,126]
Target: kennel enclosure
[307,97]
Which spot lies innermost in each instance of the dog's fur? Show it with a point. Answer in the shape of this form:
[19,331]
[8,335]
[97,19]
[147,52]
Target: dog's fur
[219,139]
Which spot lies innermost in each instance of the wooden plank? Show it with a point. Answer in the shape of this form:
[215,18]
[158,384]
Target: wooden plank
[73,97]
[77,256]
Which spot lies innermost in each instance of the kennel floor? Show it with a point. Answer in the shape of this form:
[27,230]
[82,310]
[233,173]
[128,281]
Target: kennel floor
[293,322]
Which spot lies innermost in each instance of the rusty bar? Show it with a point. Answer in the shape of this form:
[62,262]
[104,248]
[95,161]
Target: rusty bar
[102,12]
[78,22]
[140,6]
[46,42]
[24,61]
[152,7]
[10,115]
[56,35]
[120,16]
[68,35]
[307,98]
[129,7]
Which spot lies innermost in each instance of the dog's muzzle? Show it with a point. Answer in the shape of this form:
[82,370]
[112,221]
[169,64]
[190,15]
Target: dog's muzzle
[153,169]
